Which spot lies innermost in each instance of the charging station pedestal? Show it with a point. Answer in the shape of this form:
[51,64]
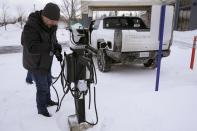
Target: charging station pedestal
[76,66]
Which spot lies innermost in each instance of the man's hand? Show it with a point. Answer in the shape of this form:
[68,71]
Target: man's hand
[59,57]
[57,51]
[57,48]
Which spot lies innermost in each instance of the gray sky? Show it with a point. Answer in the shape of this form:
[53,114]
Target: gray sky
[26,5]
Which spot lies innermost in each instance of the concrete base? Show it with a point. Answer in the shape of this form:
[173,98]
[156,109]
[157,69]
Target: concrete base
[75,126]
[73,123]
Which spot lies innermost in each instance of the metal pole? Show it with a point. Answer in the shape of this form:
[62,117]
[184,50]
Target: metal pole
[161,33]
[80,103]
[81,109]
[177,8]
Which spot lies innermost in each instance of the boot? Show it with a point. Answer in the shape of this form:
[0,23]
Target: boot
[52,103]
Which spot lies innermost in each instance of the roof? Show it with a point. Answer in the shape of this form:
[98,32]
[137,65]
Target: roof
[121,17]
[119,4]
[125,2]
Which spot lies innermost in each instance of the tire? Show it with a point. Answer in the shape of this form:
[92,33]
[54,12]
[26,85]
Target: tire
[151,64]
[103,61]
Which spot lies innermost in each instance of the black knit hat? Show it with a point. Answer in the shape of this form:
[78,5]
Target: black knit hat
[51,11]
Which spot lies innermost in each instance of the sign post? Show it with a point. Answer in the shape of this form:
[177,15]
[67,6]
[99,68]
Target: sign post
[161,34]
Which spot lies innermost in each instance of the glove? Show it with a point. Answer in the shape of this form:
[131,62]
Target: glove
[59,57]
[57,48]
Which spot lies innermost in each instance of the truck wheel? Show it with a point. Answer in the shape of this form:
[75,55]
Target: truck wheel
[103,61]
[151,63]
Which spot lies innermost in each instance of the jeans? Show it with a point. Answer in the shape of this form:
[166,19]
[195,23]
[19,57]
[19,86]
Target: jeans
[43,95]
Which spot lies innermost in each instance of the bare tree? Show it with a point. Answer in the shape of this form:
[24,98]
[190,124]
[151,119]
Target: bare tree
[111,13]
[4,13]
[70,10]
[21,15]
[97,15]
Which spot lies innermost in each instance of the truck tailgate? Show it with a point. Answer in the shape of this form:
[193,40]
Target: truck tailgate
[133,41]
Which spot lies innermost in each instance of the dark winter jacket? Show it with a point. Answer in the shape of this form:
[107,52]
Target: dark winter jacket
[38,41]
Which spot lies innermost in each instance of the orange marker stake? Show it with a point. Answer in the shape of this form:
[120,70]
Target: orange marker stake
[193,53]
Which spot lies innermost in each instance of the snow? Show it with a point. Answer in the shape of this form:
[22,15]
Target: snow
[77,26]
[12,36]
[63,35]
[185,38]
[126,99]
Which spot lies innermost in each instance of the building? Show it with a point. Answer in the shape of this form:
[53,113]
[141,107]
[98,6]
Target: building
[185,18]
[88,6]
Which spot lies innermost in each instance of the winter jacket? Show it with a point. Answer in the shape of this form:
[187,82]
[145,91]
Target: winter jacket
[38,42]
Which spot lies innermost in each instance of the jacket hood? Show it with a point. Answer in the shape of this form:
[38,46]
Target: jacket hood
[35,18]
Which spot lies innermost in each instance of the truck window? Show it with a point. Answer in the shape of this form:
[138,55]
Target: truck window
[123,23]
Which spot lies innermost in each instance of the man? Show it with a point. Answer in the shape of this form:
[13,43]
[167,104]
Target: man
[39,44]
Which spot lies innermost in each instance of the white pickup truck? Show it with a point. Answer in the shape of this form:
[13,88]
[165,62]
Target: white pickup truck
[128,40]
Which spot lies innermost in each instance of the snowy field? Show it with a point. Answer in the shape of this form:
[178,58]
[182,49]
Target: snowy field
[126,99]
[12,36]
[184,38]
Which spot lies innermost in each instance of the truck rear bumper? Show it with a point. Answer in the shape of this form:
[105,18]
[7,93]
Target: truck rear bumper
[136,57]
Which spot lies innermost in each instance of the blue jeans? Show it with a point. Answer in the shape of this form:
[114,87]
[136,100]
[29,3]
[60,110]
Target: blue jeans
[43,95]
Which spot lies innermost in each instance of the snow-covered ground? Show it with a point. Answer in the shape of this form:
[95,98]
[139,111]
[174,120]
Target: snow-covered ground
[126,99]
[184,38]
[12,36]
